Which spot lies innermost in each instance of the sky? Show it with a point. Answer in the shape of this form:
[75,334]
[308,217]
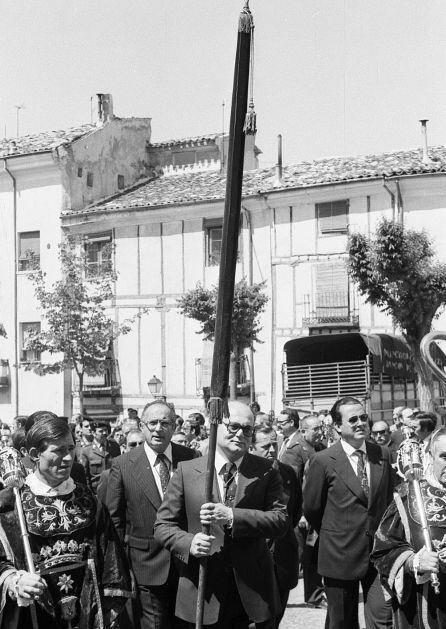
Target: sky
[334,77]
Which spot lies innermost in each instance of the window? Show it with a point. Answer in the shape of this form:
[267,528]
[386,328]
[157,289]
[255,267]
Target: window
[90,180]
[98,249]
[29,251]
[26,331]
[332,291]
[121,182]
[332,217]
[214,236]
[79,172]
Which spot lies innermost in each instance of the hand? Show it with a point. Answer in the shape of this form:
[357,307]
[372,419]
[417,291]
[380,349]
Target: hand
[201,545]
[215,512]
[29,586]
[428,562]
[303,524]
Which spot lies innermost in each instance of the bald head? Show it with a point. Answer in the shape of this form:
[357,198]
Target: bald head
[380,432]
[237,410]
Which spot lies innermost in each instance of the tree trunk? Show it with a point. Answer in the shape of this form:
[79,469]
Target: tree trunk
[81,393]
[425,382]
[233,376]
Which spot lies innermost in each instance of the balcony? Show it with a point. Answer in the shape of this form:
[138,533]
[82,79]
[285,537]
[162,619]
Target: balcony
[104,384]
[331,309]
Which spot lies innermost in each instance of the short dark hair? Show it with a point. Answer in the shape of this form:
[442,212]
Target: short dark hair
[38,416]
[336,408]
[262,429]
[46,430]
[19,439]
[197,417]
[428,421]
[292,414]
[101,424]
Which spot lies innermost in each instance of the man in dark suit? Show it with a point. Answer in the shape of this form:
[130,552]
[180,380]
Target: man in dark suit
[136,485]
[97,457]
[348,487]
[285,550]
[247,509]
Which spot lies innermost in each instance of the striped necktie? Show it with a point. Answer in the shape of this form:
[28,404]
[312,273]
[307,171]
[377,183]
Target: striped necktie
[361,472]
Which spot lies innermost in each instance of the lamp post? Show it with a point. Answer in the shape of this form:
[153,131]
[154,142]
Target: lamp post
[155,387]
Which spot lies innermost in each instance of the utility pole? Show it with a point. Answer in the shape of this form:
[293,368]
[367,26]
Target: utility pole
[18,108]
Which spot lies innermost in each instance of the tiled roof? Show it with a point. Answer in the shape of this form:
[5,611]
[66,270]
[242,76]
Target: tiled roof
[39,142]
[193,141]
[190,187]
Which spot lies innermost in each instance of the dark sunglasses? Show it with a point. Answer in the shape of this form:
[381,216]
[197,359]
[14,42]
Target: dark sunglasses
[233,428]
[355,418]
[133,444]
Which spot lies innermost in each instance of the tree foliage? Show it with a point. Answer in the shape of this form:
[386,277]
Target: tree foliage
[249,302]
[77,330]
[397,271]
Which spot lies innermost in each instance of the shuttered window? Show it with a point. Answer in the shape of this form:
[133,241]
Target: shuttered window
[332,296]
[332,217]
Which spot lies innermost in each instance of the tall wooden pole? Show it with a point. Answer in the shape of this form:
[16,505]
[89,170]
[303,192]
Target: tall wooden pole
[228,261]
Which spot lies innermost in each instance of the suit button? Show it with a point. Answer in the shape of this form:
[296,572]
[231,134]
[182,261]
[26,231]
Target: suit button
[367,533]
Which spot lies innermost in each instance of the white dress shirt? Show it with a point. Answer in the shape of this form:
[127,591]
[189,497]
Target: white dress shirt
[353,458]
[40,488]
[152,456]
[220,469]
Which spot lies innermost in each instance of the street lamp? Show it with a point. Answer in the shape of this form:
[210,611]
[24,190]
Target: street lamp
[155,385]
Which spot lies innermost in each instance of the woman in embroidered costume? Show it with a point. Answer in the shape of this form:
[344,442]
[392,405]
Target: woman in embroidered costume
[400,554]
[82,579]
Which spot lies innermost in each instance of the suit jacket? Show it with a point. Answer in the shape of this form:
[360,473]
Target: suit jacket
[133,500]
[259,513]
[297,452]
[285,549]
[95,461]
[336,506]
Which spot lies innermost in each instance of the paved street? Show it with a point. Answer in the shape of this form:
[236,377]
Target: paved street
[297,616]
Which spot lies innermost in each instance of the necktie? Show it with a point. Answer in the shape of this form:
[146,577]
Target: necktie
[163,471]
[283,447]
[230,486]
[361,472]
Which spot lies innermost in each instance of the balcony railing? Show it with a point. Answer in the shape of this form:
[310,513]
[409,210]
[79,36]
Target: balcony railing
[325,380]
[330,308]
[105,382]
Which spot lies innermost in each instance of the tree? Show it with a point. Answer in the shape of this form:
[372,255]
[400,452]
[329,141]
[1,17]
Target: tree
[398,272]
[249,302]
[77,331]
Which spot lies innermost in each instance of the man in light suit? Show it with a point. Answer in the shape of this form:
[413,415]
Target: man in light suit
[247,509]
[348,487]
[136,486]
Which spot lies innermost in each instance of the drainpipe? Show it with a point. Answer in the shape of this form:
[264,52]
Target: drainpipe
[392,196]
[14,300]
[252,389]
[399,202]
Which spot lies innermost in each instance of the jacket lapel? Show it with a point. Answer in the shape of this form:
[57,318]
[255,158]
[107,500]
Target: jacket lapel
[344,471]
[376,469]
[143,475]
[246,476]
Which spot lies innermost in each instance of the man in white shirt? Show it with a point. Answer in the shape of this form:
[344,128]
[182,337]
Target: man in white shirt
[247,509]
[136,486]
[348,487]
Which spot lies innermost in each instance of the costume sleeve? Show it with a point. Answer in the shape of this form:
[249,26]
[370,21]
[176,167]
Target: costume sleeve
[115,499]
[315,493]
[391,549]
[171,523]
[271,521]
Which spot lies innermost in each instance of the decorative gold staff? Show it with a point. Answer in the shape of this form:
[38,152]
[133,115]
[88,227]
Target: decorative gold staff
[12,475]
[410,466]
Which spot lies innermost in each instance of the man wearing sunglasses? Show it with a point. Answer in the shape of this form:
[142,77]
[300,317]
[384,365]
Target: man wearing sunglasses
[348,488]
[247,508]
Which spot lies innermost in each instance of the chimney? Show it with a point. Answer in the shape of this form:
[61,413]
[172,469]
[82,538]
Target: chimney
[279,161]
[426,158]
[105,107]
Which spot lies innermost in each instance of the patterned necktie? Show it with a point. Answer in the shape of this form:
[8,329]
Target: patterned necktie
[163,471]
[361,472]
[230,486]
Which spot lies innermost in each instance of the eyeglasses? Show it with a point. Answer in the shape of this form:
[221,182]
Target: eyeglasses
[133,444]
[355,418]
[233,428]
[152,425]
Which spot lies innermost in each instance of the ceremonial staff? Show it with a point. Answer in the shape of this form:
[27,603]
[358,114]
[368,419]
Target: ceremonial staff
[12,475]
[240,123]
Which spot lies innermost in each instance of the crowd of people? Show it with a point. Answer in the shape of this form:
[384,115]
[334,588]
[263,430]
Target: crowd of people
[115,512]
